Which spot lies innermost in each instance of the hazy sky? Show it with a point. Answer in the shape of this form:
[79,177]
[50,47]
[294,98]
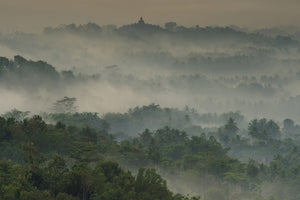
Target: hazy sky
[37,14]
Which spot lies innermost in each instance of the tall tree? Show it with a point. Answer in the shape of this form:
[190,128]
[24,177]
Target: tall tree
[65,105]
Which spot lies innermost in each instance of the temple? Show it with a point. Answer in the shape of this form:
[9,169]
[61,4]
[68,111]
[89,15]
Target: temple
[141,21]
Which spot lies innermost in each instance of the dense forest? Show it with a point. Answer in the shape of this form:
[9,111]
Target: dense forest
[143,111]
[83,156]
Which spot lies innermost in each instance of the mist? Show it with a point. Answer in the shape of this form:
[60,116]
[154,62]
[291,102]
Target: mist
[140,80]
[212,69]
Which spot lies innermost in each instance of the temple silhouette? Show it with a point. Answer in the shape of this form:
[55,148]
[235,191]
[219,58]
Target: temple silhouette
[141,21]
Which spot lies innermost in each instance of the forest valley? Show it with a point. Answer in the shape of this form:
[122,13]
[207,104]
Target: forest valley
[144,112]
[83,156]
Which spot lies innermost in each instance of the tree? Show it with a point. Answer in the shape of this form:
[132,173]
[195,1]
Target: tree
[54,174]
[65,105]
[289,127]
[146,137]
[79,181]
[228,132]
[34,128]
[252,168]
[82,152]
[150,185]
[16,114]
[170,26]
[263,129]
[33,161]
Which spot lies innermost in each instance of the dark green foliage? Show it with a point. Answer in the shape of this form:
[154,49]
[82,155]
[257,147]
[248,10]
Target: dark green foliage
[148,182]
[151,116]
[173,149]
[228,132]
[68,162]
[70,174]
[252,168]
[263,129]
[55,181]
[81,120]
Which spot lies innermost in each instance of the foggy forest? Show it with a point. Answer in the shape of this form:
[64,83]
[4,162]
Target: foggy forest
[150,112]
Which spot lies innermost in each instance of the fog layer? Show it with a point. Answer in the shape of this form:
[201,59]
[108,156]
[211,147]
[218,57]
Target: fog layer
[110,68]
